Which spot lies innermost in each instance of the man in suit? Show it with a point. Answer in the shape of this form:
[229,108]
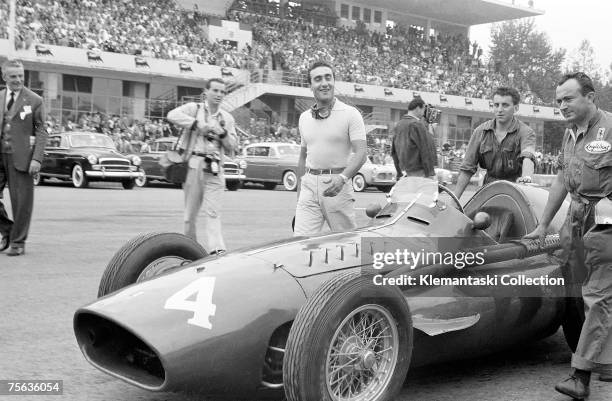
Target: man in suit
[21,117]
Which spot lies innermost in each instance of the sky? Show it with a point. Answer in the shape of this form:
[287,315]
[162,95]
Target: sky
[567,23]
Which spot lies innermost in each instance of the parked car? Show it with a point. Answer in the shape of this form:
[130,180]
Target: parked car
[82,157]
[311,316]
[233,170]
[381,176]
[272,163]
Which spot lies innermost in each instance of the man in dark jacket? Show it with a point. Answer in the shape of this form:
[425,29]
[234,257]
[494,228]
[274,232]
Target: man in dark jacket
[413,149]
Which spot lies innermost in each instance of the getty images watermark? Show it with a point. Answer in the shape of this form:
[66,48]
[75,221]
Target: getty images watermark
[461,263]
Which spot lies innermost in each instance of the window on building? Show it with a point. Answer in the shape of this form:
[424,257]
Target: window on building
[344,11]
[367,15]
[377,16]
[356,13]
[76,83]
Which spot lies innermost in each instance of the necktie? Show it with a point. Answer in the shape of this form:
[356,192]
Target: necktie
[11,101]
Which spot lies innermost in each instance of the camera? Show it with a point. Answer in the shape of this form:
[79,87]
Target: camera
[432,115]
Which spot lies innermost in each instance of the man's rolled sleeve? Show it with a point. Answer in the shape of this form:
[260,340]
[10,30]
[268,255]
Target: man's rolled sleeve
[183,116]
[470,159]
[356,126]
[528,143]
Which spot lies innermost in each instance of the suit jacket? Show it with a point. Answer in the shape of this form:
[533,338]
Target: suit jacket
[26,119]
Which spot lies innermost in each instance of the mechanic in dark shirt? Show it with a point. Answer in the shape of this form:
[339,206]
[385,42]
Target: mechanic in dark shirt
[413,149]
[504,146]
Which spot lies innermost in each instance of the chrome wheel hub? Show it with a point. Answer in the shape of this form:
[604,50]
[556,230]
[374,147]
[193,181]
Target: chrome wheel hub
[363,354]
[160,266]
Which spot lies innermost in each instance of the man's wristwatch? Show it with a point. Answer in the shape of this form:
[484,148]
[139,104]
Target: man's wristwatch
[344,178]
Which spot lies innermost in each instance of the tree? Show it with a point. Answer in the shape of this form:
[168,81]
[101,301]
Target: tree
[518,49]
[583,59]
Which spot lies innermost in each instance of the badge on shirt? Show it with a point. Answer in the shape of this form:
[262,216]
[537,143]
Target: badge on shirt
[598,146]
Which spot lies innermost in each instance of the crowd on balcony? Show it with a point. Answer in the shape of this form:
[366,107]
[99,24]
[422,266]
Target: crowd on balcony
[401,58]
[158,29]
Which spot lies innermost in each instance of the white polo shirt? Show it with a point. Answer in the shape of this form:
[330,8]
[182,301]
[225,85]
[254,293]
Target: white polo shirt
[328,141]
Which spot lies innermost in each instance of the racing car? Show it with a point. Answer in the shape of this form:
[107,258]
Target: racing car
[305,317]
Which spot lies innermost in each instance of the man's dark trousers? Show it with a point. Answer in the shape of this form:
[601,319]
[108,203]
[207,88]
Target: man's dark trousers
[21,190]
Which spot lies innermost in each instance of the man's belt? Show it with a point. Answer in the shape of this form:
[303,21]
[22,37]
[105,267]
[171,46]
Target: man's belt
[201,154]
[319,171]
[207,167]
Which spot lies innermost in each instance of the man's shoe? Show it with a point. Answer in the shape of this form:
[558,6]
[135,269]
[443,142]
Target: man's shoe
[574,387]
[4,242]
[16,251]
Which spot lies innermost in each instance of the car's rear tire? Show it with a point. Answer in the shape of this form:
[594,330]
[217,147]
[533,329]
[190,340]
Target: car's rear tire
[290,181]
[359,183]
[79,179]
[233,185]
[128,184]
[147,256]
[573,320]
[269,185]
[141,181]
[384,188]
[325,347]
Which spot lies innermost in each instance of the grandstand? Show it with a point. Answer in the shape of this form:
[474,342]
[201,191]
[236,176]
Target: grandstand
[139,59]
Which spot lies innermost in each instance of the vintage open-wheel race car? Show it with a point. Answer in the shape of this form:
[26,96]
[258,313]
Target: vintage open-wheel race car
[305,317]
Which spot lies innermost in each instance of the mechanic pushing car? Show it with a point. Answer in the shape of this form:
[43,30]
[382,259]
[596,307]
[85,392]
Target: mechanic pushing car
[413,148]
[504,146]
[328,131]
[586,174]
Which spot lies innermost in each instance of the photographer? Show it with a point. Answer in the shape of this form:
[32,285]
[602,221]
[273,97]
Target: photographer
[504,146]
[413,148]
[209,133]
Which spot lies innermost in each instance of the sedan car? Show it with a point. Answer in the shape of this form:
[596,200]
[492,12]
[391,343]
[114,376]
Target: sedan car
[272,163]
[312,316]
[82,157]
[232,170]
[381,176]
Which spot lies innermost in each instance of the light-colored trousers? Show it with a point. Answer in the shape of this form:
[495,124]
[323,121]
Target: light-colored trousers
[313,209]
[204,188]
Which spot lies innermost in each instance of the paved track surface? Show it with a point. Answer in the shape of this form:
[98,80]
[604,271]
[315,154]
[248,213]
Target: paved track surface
[75,233]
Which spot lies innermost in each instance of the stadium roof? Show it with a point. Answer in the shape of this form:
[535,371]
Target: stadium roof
[462,12]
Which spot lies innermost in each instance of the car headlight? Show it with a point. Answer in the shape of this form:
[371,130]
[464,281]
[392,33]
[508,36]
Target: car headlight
[135,160]
[92,159]
[242,164]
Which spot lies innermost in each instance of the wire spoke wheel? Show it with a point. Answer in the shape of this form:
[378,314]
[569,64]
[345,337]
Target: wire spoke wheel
[160,266]
[362,354]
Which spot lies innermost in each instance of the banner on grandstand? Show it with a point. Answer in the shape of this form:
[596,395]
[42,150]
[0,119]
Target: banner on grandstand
[74,58]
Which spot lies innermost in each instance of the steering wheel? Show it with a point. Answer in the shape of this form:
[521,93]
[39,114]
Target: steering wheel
[445,190]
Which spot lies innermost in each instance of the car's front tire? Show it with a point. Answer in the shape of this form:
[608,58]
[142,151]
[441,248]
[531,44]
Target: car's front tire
[359,183]
[233,185]
[290,181]
[349,333]
[384,188]
[79,179]
[128,184]
[147,256]
[141,181]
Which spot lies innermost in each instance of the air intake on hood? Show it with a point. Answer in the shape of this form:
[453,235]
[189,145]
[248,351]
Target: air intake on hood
[117,351]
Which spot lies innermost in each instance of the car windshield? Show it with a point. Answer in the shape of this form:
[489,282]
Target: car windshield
[91,141]
[164,146]
[406,193]
[288,150]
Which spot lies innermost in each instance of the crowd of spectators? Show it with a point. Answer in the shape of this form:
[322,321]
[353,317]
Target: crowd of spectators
[158,29]
[401,58]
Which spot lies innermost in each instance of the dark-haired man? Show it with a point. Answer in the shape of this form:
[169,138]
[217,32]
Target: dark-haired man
[413,149]
[586,174]
[329,131]
[208,133]
[504,146]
